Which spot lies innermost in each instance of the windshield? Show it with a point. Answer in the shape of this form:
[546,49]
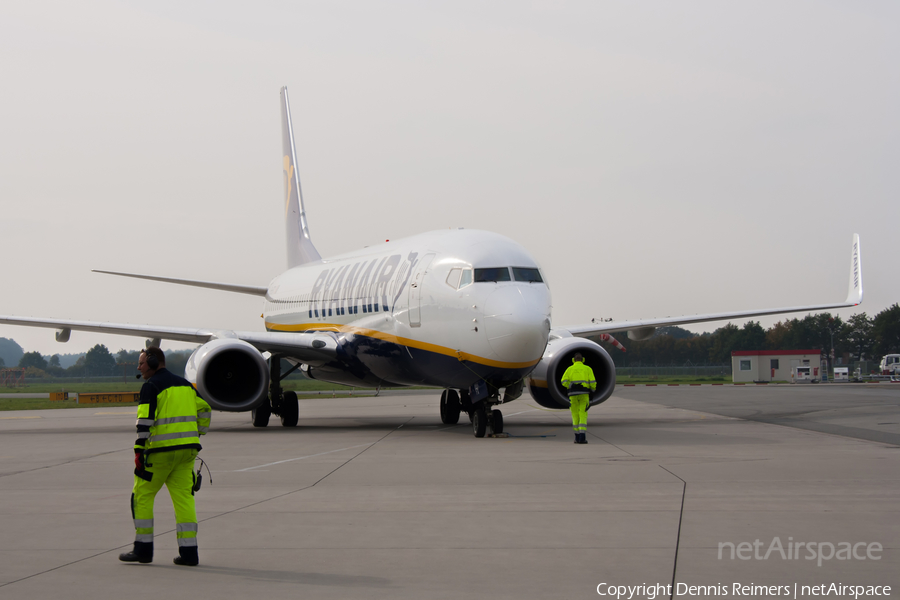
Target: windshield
[526,274]
[492,274]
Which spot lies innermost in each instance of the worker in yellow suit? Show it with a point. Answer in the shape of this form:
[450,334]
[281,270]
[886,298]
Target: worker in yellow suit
[171,417]
[579,380]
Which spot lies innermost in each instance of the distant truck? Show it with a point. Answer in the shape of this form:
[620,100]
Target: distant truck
[890,365]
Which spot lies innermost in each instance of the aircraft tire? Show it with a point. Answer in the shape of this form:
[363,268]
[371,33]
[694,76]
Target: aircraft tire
[496,421]
[479,421]
[290,410]
[450,407]
[260,414]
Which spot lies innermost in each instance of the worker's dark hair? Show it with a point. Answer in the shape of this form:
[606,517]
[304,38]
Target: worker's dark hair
[578,357]
[156,358]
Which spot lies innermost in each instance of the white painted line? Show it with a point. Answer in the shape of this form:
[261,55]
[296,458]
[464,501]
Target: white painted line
[302,457]
[520,413]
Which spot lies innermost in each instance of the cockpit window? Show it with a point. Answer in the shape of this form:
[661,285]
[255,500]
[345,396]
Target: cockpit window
[466,278]
[453,278]
[492,274]
[526,274]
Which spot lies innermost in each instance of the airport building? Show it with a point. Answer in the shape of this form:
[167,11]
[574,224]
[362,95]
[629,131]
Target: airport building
[748,366]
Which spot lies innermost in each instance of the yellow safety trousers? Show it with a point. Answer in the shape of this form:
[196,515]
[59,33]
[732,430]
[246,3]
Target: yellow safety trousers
[578,405]
[175,469]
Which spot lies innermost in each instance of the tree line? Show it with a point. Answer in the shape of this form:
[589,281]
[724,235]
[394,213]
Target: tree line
[97,362]
[857,338]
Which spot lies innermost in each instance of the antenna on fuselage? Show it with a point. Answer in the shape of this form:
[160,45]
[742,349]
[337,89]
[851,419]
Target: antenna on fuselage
[300,249]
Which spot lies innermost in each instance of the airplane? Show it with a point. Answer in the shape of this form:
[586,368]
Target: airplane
[460,309]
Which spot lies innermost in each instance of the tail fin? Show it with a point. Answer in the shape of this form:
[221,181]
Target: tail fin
[300,249]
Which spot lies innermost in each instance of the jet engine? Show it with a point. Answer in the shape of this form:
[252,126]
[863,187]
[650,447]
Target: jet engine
[544,382]
[230,374]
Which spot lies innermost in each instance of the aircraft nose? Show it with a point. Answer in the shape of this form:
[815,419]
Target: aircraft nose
[517,323]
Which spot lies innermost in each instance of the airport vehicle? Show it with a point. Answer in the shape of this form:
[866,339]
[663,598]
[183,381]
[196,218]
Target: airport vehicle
[465,310]
[890,365]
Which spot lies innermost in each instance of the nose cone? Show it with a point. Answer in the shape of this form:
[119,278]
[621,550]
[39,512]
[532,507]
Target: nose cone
[517,322]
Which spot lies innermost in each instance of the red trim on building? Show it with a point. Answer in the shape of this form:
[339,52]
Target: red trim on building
[773,352]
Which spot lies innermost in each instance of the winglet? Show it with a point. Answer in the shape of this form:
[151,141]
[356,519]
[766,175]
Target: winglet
[855,292]
[300,249]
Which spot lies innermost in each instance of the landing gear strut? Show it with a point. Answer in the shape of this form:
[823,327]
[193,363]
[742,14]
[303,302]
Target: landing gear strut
[279,402]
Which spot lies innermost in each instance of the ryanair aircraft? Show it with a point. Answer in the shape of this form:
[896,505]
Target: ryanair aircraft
[464,310]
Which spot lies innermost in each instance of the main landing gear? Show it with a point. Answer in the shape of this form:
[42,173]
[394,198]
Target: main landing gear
[281,403]
[480,414]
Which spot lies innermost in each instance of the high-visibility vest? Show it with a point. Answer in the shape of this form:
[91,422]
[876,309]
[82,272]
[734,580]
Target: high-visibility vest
[170,416]
[579,379]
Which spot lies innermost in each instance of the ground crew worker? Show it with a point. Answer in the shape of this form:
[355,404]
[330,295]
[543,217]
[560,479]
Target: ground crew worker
[579,380]
[171,417]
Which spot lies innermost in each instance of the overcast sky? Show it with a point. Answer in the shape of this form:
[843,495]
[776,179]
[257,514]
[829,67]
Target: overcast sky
[657,158]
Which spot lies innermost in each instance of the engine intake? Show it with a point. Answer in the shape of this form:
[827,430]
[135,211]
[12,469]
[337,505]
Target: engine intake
[544,383]
[231,375]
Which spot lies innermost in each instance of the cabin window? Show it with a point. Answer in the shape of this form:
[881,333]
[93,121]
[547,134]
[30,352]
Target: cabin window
[745,365]
[527,274]
[492,274]
[773,363]
[453,278]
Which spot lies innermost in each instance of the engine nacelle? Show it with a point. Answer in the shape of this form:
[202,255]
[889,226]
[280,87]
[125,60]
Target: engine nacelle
[544,382]
[231,375]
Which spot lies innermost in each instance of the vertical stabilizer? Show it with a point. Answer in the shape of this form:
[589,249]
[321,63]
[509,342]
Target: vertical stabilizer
[300,249]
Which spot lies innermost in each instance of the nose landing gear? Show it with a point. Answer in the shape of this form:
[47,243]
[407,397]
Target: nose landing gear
[483,417]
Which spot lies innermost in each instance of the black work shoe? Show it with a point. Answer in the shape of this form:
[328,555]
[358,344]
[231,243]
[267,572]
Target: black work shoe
[134,557]
[187,556]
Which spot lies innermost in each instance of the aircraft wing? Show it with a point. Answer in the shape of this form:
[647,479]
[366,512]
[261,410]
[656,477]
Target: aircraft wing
[643,328]
[212,285]
[312,347]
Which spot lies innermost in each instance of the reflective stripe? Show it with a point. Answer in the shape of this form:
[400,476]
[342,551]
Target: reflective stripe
[182,527]
[143,435]
[174,436]
[579,392]
[171,420]
[143,523]
[204,415]
[144,537]
[202,429]
[145,422]
[182,542]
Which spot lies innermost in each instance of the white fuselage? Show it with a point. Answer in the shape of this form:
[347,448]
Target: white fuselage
[412,311]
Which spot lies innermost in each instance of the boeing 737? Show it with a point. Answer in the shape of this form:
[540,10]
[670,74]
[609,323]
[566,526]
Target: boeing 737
[464,310]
